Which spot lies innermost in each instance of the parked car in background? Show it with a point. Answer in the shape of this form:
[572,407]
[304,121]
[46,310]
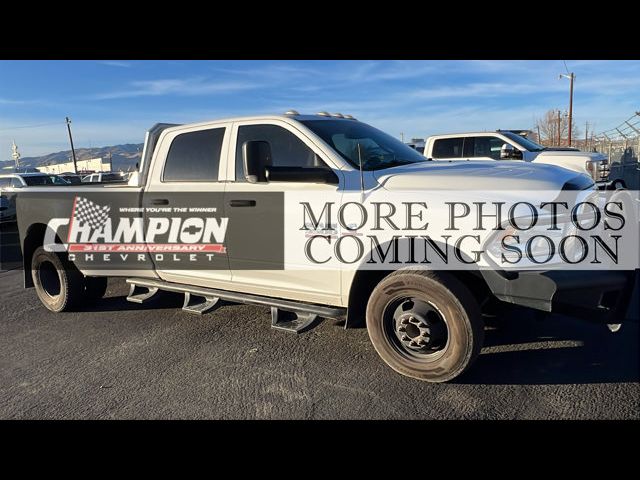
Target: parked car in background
[507,145]
[625,172]
[19,180]
[104,177]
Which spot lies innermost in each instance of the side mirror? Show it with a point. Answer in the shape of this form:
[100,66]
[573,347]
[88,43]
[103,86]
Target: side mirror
[509,152]
[299,174]
[256,157]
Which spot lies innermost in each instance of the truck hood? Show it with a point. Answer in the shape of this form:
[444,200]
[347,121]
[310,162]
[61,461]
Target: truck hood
[476,175]
[572,153]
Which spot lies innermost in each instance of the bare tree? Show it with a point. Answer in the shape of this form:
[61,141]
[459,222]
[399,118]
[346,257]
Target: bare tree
[548,128]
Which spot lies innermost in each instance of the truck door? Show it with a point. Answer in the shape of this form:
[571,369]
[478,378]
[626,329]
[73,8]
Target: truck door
[186,185]
[256,223]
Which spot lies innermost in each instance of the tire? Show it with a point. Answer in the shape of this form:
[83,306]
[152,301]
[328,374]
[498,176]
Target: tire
[448,317]
[618,185]
[58,283]
[95,287]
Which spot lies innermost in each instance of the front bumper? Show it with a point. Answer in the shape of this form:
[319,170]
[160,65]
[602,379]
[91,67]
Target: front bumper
[602,296]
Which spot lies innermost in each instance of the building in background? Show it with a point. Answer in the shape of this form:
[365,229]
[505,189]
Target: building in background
[84,166]
[417,144]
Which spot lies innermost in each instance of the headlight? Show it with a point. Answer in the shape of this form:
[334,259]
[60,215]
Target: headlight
[537,243]
[598,169]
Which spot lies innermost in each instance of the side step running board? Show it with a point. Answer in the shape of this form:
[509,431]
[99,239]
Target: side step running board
[141,293]
[286,315]
[297,322]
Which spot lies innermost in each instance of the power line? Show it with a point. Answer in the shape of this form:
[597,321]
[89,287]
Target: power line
[565,66]
[33,126]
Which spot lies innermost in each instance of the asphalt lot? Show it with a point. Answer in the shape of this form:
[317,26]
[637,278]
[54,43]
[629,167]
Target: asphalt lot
[122,361]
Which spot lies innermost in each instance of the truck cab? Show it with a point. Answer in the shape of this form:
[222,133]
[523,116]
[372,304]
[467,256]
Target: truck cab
[507,145]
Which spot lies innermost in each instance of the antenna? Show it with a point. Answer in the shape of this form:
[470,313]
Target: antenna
[361,173]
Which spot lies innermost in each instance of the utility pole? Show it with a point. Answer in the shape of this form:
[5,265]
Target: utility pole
[586,136]
[73,150]
[559,130]
[402,136]
[571,106]
[571,78]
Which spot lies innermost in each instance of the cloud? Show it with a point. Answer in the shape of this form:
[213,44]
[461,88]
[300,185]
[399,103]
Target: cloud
[115,63]
[11,101]
[176,86]
[488,89]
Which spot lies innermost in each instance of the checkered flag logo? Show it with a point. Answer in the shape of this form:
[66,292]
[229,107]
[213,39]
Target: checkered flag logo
[91,213]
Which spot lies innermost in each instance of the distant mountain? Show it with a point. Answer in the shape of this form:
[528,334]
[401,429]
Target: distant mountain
[123,157]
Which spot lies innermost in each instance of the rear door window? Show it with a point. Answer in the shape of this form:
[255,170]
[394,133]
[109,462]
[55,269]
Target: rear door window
[194,156]
[447,148]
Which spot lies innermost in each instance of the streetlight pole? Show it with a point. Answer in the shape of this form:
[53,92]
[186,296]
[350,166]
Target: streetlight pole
[73,150]
[571,78]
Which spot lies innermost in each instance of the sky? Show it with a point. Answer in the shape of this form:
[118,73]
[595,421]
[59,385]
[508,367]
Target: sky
[115,102]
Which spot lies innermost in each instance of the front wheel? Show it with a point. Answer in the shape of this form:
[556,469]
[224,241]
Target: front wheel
[618,185]
[425,325]
[59,285]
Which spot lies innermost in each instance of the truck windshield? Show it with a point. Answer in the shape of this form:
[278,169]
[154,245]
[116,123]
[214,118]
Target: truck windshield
[377,149]
[524,142]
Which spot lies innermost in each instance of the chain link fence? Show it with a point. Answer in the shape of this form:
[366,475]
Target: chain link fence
[622,145]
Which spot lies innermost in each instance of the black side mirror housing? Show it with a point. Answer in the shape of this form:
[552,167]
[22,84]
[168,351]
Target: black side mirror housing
[299,174]
[256,157]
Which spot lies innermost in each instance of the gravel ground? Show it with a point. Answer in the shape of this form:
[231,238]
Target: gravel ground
[122,361]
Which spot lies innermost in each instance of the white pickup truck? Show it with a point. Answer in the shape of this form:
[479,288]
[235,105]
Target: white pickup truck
[425,324]
[507,145]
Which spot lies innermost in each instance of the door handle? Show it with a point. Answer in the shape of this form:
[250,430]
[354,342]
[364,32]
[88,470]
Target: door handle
[242,203]
[159,201]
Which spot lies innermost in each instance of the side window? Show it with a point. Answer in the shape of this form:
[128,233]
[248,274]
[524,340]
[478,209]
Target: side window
[16,183]
[5,182]
[487,147]
[447,148]
[194,157]
[287,150]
